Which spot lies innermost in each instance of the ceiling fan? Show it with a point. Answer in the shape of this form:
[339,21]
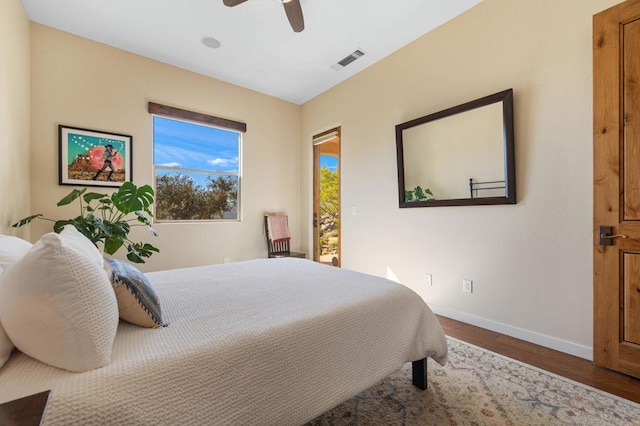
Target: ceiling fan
[291,7]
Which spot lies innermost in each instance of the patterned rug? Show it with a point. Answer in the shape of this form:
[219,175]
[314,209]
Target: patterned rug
[478,387]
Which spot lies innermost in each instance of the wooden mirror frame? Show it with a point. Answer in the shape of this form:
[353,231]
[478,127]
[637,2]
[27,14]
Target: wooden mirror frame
[506,97]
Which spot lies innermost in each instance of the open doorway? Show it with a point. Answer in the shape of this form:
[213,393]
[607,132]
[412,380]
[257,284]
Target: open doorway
[326,197]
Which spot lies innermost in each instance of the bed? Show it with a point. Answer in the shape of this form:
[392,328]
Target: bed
[267,341]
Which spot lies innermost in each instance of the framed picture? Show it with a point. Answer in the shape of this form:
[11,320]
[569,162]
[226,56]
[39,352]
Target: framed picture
[94,158]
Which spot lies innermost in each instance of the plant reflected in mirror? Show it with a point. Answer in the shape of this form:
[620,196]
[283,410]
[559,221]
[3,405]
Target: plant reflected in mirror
[418,194]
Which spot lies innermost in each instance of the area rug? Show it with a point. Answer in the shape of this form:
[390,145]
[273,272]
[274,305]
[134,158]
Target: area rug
[479,387]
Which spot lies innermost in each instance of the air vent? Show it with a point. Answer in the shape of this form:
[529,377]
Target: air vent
[348,59]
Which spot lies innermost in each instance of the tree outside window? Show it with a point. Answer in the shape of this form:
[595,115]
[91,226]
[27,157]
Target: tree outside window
[329,204]
[197,171]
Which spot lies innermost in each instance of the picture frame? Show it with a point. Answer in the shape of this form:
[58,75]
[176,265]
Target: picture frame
[94,157]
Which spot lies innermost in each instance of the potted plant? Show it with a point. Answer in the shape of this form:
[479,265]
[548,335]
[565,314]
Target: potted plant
[107,219]
[418,194]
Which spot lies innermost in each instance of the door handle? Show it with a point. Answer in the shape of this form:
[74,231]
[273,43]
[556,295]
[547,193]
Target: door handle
[614,236]
[606,236]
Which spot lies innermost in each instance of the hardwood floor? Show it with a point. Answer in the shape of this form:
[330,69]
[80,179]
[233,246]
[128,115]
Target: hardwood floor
[574,368]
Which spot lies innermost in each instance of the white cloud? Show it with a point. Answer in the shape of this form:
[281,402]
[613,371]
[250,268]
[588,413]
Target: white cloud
[171,164]
[222,161]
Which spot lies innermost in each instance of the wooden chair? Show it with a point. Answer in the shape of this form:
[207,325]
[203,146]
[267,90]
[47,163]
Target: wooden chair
[278,248]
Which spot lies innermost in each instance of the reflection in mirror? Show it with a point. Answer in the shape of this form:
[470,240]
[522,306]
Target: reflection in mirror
[459,156]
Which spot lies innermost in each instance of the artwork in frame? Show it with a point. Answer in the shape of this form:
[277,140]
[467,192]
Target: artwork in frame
[93,157]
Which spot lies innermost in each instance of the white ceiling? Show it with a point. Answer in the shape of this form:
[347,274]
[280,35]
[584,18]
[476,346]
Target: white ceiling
[259,50]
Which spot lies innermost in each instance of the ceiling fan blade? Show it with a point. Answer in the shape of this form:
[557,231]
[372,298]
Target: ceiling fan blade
[294,13]
[232,3]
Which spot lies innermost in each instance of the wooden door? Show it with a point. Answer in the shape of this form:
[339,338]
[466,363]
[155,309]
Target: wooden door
[616,99]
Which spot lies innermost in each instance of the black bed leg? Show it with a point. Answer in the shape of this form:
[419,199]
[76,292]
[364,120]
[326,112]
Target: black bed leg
[419,369]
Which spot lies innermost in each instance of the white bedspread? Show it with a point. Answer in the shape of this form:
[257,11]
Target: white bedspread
[263,342]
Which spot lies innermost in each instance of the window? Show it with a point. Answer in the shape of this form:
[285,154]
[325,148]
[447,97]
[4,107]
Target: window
[197,171]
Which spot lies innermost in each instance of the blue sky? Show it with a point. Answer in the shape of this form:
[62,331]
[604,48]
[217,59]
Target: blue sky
[192,146]
[330,161]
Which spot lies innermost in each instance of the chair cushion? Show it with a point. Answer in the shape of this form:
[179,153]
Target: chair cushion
[138,303]
[57,305]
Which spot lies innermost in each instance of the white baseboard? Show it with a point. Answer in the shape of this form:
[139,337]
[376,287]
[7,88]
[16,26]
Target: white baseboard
[571,348]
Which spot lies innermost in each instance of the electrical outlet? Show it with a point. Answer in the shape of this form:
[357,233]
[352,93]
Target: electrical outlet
[427,280]
[467,286]
[225,260]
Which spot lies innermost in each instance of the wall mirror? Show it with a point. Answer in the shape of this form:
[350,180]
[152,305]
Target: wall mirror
[460,156]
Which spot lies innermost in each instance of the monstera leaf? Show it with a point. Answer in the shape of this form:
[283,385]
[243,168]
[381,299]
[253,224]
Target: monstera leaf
[129,198]
[107,219]
[418,194]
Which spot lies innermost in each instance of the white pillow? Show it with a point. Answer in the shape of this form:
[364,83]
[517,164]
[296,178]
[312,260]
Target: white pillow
[57,305]
[79,242]
[11,250]
[6,345]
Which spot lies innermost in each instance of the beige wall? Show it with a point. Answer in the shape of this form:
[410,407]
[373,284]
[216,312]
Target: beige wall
[14,116]
[81,83]
[530,263]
